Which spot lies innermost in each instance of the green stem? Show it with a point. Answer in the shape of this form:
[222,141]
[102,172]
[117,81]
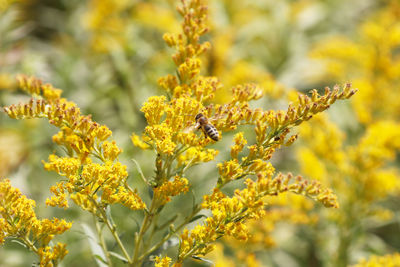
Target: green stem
[168,236]
[153,231]
[102,241]
[111,228]
[139,237]
[30,244]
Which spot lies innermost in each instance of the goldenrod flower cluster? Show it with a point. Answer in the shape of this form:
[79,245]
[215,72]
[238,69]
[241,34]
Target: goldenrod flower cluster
[391,260]
[171,188]
[18,220]
[229,213]
[283,208]
[162,262]
[83,140]
[94,176]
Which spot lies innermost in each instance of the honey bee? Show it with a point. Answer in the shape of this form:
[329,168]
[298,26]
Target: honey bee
[207,128]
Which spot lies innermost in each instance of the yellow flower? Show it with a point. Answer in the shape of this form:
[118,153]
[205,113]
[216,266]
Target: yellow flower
[110,150]
[48,255]
[45,229]
[138,143]
[167,132]
[187,48]
[162,262]
[35,87]
[391,260]
[246,93]
[230,213]
[153,109]
[230,170]
[191,139]
[122,195]
[161,136]
[60,197]
[84,201]
[195,155]
[18,220]
[165,191]
[240,142]
[16,206]
[82,139]
[181,112]
[204,88]
[78,133]
[63,166]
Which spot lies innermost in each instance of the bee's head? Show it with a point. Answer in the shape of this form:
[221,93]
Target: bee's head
[198,116]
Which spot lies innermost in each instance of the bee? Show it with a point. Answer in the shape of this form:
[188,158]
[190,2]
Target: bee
[207,128]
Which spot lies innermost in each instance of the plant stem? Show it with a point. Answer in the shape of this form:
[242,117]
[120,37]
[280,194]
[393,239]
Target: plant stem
[153,231]
[30,244]
[102,241]
[115,235]
[139,237]
[111,228]
[168,236]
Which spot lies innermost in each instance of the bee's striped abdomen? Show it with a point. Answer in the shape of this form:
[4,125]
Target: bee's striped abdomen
[211,131]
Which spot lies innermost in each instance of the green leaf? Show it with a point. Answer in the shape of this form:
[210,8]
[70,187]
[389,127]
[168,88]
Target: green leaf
[118,256]
[109,216]
[195,218]
[194,205]
[19,242]
[96,249]
[97,257]
[203,259]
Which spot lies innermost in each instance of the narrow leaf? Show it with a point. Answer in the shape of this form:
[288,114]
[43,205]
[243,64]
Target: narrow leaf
[203,259]
[108,213]
[97,257]
[96,249]
[195,218]
[118,256]
[19,242]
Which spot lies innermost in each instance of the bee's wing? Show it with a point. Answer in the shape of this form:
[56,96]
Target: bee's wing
[191,128]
